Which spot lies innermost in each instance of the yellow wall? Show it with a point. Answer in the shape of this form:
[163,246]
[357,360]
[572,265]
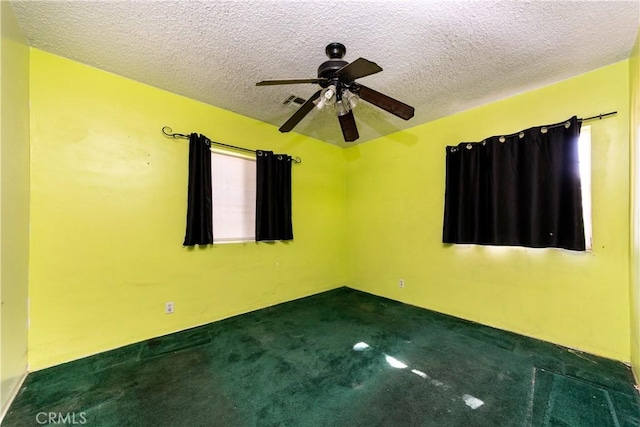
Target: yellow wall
[108,207]
[634,132]
[14,203]
[395,196]
[108,198]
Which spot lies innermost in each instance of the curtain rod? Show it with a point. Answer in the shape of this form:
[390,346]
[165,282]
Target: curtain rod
[566,124]
[169,132]
[599,116]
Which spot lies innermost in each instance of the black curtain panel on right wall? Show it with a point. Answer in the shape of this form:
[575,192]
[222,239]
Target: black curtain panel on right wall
[516,190]
[273,196]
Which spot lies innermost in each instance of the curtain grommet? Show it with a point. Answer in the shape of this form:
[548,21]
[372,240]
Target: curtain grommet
[469,146]
[544,130]
[484,143]
[502,139]
[521,135]
[567,124]
[453,149]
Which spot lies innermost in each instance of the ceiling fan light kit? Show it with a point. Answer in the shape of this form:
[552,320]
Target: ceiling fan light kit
[336,78]
[326,97]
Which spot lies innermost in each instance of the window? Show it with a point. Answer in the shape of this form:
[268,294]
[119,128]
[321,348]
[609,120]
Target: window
[233,180]
[522,189]
[584,157]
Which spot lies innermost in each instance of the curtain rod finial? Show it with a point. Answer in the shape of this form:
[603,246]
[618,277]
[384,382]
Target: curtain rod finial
[167,131]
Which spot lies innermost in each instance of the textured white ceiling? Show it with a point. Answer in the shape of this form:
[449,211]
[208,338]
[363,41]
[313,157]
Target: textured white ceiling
[441,57]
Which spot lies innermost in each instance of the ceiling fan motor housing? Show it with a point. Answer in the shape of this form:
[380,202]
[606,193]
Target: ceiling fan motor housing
[327,70]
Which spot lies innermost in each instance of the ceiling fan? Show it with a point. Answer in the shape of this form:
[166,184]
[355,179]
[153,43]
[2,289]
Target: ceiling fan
[337,78]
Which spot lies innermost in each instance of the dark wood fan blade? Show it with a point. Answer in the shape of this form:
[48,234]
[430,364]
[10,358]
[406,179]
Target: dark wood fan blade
[287,82]
[385,102]
[359,68]
[348,125]
[300,114]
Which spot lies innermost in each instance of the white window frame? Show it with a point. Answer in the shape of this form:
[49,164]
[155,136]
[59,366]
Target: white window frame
[584,160]
[233,183]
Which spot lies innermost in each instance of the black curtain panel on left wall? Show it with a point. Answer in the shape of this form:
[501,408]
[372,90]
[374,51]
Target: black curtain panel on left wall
[199,202]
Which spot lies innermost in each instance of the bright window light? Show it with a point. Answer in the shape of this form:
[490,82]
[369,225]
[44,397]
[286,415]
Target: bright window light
[584,158]
[233,179]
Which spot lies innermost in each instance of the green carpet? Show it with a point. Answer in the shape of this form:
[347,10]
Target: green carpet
[341,358]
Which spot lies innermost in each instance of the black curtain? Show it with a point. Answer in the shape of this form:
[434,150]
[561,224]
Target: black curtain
[273,196]
[517,190]
[199,204]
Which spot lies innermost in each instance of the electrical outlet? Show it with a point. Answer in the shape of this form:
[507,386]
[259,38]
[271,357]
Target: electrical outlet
[401,283]
[168,307]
